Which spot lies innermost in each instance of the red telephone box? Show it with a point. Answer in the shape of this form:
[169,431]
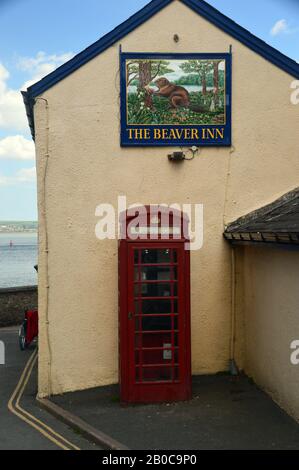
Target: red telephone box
[154,308]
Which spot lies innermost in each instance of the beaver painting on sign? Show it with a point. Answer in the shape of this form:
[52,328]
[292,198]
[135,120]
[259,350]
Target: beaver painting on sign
[175,92]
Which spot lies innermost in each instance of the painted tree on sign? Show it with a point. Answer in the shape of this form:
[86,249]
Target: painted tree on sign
[201,67]
[145,71]
[216,79]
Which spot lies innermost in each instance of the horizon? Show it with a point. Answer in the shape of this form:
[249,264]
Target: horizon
[18,220]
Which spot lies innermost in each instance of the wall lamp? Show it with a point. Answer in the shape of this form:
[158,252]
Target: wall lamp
[180,156]
[176,157]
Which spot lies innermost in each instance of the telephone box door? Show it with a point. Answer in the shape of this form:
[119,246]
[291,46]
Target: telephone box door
[156,323]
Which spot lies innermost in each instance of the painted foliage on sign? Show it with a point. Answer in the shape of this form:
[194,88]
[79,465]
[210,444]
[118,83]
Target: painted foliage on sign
[175,91]
[175,99]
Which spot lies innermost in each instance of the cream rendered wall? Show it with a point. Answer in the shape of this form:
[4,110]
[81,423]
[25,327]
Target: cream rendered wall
[78,127]
[271,306]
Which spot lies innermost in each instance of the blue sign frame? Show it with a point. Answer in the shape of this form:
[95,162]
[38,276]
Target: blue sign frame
[175,134]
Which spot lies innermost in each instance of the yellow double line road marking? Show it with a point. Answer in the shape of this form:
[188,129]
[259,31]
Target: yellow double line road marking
[15,407]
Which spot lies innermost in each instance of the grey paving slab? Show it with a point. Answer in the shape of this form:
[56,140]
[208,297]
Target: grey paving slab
[225,413]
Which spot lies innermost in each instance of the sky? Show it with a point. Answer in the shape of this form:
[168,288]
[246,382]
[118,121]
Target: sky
[37,36]
[177,72]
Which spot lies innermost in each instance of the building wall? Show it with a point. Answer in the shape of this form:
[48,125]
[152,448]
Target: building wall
[271,279]
[80,164]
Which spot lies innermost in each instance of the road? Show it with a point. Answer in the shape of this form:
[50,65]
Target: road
[32,428]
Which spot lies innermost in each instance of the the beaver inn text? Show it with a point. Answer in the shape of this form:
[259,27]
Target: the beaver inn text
[190,133]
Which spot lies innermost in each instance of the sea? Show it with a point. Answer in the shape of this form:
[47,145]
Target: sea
[18,255]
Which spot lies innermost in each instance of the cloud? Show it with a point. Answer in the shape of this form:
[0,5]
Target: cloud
[22,176]
[282,27]
[26,175]
[40,65]
[16,148]
[41,58]
[12,111]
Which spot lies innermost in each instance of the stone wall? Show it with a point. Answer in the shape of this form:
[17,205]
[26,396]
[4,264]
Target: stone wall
[13,302]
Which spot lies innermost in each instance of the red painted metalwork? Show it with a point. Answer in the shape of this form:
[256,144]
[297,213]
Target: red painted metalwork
[154,312]
[29,329]
[32,325]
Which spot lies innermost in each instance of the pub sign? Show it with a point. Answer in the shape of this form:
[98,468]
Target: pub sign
[175,99]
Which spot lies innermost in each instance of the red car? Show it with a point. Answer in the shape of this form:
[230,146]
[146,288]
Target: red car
[29,329]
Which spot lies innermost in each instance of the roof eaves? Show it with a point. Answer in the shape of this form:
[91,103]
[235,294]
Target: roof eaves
[29,103]
[243,35]
[97,47]
[273,238]
[199,6]
[276,223]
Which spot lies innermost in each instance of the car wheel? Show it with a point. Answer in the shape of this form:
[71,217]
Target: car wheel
[22,338]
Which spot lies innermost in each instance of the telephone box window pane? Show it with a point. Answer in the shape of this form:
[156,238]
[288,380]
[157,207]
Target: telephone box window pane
[138,340]
[136,256]
[136,274]
[137,323]
[156,323]
[137,357]
[174,289]
[155,256]
[137,373]
[136,290]
[152,340]
[137,307]
[158,273]
[157,356]
[156,374]
[156,290]
[156,306]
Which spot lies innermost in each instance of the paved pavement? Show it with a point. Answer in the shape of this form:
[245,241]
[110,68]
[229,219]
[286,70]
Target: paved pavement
[15,434]
[225,413]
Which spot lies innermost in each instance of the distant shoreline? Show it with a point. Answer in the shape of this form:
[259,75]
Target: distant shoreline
[18,231]
[18,226]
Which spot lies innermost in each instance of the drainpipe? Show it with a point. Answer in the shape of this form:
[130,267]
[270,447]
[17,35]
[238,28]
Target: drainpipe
[232,363]
[43,219]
